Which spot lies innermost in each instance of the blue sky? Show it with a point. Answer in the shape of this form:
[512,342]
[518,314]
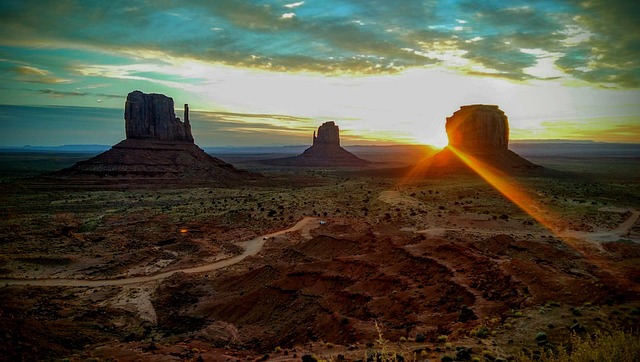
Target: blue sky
[385,71]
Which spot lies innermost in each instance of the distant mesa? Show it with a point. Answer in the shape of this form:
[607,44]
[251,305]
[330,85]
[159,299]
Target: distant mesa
[482,132]
[325,151]
[158,146]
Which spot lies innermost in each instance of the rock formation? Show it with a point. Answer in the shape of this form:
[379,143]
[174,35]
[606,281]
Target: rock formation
[159,148]
[325,151]
[151,116]
[482,132]
[478,127]
[328,135]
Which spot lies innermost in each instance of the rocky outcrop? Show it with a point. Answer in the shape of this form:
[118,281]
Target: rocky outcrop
[325,151]
[159,149]
[151,116]
[328,135]
[478,127]
[481,132]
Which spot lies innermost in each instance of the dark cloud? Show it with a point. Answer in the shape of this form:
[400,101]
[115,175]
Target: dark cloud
[360,36]
[497,54]
[611,56]
[57,93]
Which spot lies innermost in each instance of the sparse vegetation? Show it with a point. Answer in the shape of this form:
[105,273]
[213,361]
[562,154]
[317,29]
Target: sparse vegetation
[402,264]
[617,346]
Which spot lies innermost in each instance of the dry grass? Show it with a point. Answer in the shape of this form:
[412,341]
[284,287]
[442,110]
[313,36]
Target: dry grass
[618,346]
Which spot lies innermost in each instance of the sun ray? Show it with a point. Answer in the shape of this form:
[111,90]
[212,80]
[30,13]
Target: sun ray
[510,188]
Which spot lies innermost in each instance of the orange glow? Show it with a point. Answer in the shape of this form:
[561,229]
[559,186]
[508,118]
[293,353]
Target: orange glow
[509,188]
[183,231]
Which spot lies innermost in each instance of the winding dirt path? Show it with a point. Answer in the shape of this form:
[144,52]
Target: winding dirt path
[252,247]
[604,236]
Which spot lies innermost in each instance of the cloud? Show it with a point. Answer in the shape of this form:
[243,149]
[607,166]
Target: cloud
[30,74]
[242,129]
[595,41]
[610,129]
[609,49]
[27,70]
[60,94]
[293,5]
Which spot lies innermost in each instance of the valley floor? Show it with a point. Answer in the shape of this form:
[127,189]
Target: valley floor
[346,265]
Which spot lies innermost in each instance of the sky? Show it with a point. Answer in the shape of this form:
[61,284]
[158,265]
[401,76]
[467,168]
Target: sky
[269,72]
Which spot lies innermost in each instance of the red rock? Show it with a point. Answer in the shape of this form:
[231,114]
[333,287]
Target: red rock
[481,132]
[151,116]
[478,127]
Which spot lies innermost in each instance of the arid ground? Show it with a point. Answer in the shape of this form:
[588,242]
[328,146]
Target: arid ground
[330,263]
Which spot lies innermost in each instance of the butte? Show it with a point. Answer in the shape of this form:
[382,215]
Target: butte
[481,133]
[325,151]
[159,148]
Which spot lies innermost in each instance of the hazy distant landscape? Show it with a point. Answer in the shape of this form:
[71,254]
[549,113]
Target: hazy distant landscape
[586,157]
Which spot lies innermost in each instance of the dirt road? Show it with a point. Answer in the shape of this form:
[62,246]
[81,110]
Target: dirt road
[251,247]
[606,236]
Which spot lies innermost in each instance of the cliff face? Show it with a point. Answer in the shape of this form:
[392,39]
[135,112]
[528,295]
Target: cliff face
[328,134]
[478,127]
[480,131]
[151,116]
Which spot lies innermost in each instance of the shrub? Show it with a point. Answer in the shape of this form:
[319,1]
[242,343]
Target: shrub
[480,332]
[576,312]
[542,338]
[617,346]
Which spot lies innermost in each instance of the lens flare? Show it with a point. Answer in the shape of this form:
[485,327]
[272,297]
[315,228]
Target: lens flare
[508,187]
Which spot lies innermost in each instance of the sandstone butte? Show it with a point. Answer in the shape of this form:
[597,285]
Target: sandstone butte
[482,132]
[325,151]
[158,147]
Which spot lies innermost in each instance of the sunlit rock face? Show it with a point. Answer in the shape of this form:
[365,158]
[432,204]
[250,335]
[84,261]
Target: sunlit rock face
[482,132]
[151,116]
[478,127]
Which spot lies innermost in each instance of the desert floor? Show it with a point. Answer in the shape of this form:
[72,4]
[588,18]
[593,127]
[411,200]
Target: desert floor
[330,263]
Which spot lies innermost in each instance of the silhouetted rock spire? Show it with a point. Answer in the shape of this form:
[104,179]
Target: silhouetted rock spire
[151,116]
[328,134]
